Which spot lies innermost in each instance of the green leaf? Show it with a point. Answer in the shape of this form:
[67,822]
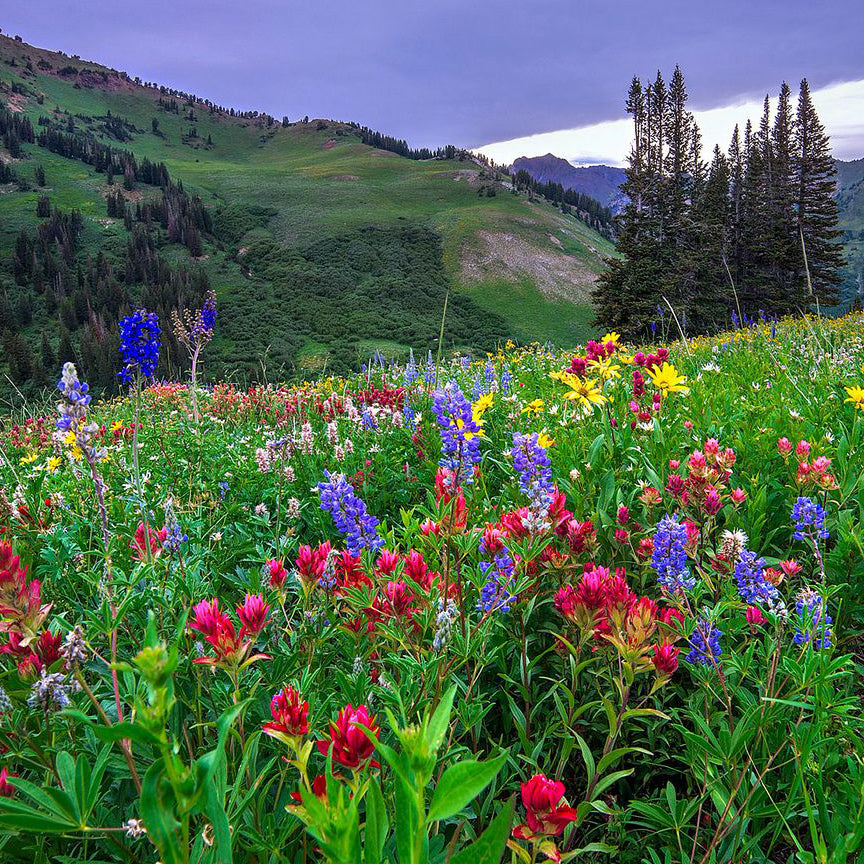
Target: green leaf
[490,845]
[608,780]
[377,825]
[157,811]
[460,784]
[440,720]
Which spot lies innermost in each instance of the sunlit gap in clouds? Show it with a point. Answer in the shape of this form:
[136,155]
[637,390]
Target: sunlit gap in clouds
[840,108]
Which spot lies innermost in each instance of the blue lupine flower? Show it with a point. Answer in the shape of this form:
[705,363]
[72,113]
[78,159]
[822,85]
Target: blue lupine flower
[495,595]
[139,345]
[174,536]
[368,420]
[752,586]
[531,462]
[429,376]
[459,433]
[506,381]
[223,489]
[812,627]
[409,415]
[490,372]
[76,397]
[466,363]
[410,370]
[809,518]
[705,647]
[669,558]
[349,513]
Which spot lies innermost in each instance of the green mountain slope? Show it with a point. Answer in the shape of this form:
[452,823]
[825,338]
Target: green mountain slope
[318,246]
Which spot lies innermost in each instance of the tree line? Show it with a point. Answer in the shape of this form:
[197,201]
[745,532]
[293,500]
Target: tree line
[586,208]
[754,232]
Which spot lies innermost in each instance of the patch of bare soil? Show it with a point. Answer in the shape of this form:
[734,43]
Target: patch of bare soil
[133,196]
[500,254]
[330,143]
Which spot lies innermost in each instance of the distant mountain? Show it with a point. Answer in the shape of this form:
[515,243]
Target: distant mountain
[600,182]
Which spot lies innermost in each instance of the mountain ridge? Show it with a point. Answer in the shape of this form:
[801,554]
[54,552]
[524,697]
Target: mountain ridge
[601,182]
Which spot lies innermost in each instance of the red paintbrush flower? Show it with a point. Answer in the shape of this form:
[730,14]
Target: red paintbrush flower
[541,798]
[290,716]
[351,748]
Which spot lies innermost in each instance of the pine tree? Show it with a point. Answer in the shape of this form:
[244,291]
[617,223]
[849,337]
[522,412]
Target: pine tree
[49,359]
[816,206]
[782,252]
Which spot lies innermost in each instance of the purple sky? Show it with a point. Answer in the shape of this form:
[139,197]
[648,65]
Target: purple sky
[468,72]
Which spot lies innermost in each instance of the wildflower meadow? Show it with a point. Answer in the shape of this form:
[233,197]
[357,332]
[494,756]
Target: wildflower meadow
[605,605]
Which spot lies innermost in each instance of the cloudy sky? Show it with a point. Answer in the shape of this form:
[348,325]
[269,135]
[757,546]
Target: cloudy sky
[476,73]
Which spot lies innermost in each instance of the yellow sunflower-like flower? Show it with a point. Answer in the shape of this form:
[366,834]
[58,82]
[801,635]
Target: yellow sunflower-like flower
[533,407]
[116,426]
[29,459]
[544,441]
[856,396]
[612,337]
[605,369]
[586,392]
[667,380]
[53,464]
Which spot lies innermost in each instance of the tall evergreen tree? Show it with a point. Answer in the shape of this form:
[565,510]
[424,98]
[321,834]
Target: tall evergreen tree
[816,206]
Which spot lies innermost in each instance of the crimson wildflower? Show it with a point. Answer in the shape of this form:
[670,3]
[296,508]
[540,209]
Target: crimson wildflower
[351,748]
[290,716]
[544,814]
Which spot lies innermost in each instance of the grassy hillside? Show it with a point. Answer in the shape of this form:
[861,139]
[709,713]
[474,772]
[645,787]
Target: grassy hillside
[276,194]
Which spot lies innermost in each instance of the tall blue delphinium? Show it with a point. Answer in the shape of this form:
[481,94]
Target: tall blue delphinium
[532,464]
[812,624]
[429,375]
[752,585]
[409,415]
[669,558]
[139,345]
[349,513]
[506,381]
[809,518]
[495,595]
[490,374]
[460,450]
[705,647]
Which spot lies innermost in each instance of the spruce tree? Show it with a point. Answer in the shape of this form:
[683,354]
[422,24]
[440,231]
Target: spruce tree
[816,206]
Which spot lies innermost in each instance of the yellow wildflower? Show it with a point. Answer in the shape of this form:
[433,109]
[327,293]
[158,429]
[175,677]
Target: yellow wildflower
[116,426]
[856,396]
[533,407]
[586,393]
[612,337]
[29,459]
[667,380]
[544,441]
[605,368]
[53,464]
